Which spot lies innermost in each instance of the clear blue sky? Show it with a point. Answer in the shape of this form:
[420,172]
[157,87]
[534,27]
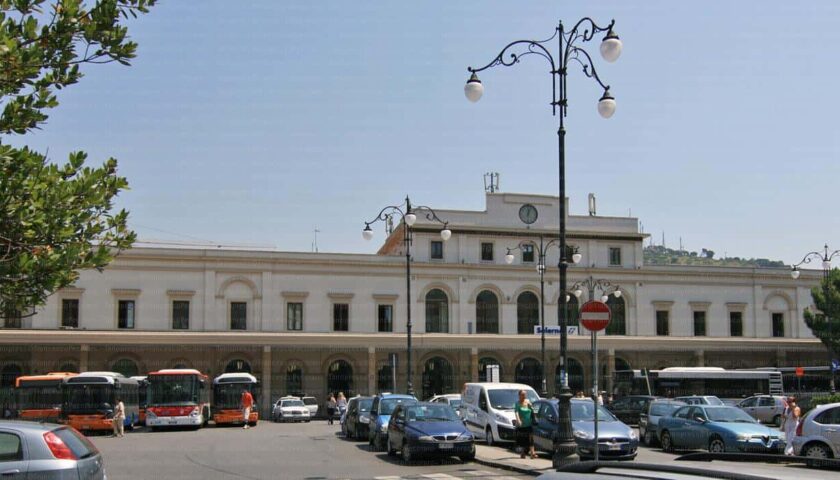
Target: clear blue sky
[255,122]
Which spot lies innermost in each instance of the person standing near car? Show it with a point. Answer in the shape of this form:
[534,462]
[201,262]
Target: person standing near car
[524,425]
[330,409]
[118,422]
[341,403]
[247,402]
[790,419]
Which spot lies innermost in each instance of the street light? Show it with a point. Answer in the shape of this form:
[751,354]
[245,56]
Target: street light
[407,213]
[542,249]
[825,257]
[583,31]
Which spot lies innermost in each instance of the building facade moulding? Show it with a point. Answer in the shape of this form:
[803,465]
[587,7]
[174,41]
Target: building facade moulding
[736,306]
[70,291]
[289,295]
[421,297]
[180,293]
[662,304]
[783,295]
[500,296]
[125,292]
[699,305]
[385,297]
[255,292]
[347,296]
[525,288]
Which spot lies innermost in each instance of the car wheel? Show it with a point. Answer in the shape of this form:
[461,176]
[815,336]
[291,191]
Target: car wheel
[777,421]
[647,439]
[469,457]
[816,450]
[379,443]
[716,445]
[406,453]
[392,452]
[665,440]
[488,437]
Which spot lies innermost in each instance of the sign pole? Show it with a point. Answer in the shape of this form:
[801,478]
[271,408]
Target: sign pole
[595,387]
[595,316]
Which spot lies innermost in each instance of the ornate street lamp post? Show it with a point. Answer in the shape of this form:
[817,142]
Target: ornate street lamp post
[825,257]
[583,31]
[542,250]
[407,214]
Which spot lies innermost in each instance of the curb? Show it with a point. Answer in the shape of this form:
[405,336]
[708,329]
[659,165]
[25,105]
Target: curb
[507,466]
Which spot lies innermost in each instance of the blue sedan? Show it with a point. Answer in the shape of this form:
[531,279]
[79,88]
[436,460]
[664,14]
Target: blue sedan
[429,429]
[718,429]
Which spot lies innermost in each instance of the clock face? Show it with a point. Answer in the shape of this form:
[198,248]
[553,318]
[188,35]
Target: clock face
[528,213]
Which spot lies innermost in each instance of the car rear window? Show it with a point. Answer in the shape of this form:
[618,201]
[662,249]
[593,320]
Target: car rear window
[663,409]
[76,442]
[310,401]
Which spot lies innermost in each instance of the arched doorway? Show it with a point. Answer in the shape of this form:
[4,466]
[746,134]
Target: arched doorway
[617,324]
[576,379]
[486,312]
[529,372]
[294,380]
[126,366]
[238,365]
[437,377]
[437,311]
[482,368]
[9,373]
[340,378]
[527,313]
[68,367]
[385,380]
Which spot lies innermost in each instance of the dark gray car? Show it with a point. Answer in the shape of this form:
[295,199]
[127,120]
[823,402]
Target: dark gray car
[47,451]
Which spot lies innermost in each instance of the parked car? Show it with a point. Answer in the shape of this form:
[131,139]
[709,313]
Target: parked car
[488,409]
[818,434]
[380,414]
[616,440]
[764,408]
[357,418]
[429,429]
[629,408]
[311,404]
[451,399]
[649,419]
[45,450]
[718,429]
[701,400]
[290,409]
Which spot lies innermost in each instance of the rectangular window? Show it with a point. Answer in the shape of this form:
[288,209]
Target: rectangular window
[386,318]
[778,324]
[125,314]
[615,256]
[486,252]
[341,317]
[70,312]
[700,323]
[736,324]
[181,314]
[238,315]
[437,250]
[294,316]
[662,327]
[527,253]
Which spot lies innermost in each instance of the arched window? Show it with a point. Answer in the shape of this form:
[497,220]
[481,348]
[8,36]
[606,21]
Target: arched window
[180,366]
[437,377]
[385,379]
[9,373]
[68,367]
[340,378]
[529,372]
[126,366]
[294,380]
[487,312]
[437,311]
[482,368]
[575,370]
[617,324]
[574,311]
[238,365]
[527,313]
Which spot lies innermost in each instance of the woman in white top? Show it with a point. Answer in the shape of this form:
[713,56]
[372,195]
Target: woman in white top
[790,419]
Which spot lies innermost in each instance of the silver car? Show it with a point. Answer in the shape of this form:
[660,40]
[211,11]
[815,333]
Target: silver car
[45,451]
[764,408]
[818,435]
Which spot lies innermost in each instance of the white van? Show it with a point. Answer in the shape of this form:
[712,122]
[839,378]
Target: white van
[487,409]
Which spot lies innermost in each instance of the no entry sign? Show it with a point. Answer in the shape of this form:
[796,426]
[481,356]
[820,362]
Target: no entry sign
[594,315]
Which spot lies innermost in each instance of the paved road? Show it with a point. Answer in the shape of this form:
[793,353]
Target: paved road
[270,451]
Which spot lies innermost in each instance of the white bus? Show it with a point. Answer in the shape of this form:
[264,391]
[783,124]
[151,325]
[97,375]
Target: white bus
[682,381]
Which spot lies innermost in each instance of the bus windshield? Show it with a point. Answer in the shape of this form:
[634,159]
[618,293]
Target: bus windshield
[173,390]
[229,395]
[38,396]
[85,399]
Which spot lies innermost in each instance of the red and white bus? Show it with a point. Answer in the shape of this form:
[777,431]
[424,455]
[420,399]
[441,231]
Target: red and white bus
[227,393]
[38,397]
[177,397]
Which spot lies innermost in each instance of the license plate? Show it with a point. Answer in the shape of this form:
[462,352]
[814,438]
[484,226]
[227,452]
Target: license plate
[615,447]
[446,445]
[86,427]
[173,422]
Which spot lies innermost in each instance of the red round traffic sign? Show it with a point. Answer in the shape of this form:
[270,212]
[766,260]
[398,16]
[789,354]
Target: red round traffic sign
[594,315]
[800,372]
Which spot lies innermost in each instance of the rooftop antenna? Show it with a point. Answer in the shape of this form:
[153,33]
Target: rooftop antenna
[681,244]
[491,182]
[315,242]
[591,204]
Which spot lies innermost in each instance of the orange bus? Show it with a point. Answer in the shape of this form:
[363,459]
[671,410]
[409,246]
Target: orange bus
[38,397]
[227,393]
[177,397]
[88,400]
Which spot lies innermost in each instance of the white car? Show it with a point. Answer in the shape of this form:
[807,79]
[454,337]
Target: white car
[312,404]
[290,409]
[451,399]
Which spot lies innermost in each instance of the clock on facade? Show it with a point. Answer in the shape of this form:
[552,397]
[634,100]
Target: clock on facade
[528,213]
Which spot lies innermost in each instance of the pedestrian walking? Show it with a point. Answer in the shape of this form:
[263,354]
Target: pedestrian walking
[524,425]
[790,420]
[341,403]
[331,403]
[118,422]
[247,402]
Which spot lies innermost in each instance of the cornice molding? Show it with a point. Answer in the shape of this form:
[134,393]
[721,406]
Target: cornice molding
[125,292]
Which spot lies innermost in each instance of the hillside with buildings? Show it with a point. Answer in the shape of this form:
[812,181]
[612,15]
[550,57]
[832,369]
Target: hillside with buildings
[661,255]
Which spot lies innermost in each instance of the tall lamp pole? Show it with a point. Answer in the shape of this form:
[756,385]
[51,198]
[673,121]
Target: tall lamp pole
[407,214]
[583,31]
[542,250]
[825,257]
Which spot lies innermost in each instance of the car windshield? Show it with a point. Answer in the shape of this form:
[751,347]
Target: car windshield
[664,409]
[713,401]
[585,412]
[430,413]
[310,401]
[291,403]
[505,399]
[364,405]
[729,414]
[387,406]
[455,402]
